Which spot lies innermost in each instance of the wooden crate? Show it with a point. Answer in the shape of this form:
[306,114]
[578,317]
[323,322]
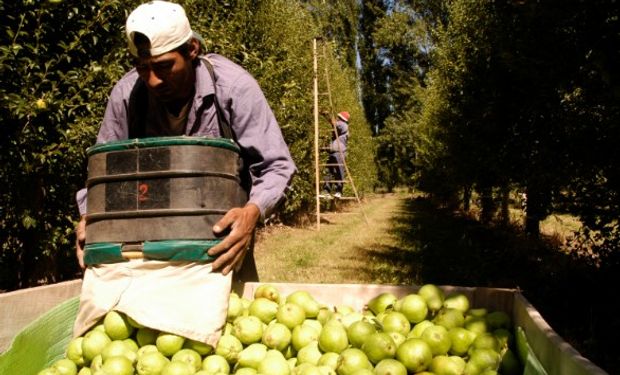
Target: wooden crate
[21,308]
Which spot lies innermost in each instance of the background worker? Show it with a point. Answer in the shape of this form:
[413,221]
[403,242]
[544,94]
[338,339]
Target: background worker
[171,92]
[337,153]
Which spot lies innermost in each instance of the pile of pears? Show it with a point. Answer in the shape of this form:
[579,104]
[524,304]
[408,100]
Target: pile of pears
[422,333]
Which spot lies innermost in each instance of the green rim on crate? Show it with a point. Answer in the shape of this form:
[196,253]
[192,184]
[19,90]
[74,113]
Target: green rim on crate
[168,250]
[529,360]
[128,144]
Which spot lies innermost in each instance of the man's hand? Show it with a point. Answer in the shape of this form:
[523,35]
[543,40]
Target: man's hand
[231,250]
[80,240]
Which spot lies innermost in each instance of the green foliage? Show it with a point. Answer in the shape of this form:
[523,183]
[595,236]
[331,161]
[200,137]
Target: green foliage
[337,21]
[56,66]
[373,73]
[400,41]
[460,130]
[519,95]
[58,63]
[396,143]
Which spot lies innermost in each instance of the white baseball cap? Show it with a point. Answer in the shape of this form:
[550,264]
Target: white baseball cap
[163,23]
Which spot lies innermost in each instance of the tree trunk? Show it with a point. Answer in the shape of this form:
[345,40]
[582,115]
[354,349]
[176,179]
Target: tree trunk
[505,207]
[537,205]
[38,266]
[466,198]
[488,205]
[532,225]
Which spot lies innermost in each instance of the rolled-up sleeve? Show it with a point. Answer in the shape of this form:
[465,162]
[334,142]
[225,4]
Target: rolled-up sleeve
[264,150]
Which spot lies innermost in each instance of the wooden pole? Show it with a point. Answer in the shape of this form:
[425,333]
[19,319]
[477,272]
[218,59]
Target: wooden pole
[316,137]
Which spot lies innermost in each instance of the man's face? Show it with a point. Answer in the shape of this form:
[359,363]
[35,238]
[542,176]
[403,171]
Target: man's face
[170,76]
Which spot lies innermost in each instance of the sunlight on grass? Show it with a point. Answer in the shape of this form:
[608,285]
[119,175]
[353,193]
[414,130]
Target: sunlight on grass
[386,250]
[562,225]
[306,255]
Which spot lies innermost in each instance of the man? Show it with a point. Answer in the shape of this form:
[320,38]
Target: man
[178,96]
[337,153]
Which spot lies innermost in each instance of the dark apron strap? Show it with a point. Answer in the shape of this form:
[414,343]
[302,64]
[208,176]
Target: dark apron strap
[225,128]
[136,112]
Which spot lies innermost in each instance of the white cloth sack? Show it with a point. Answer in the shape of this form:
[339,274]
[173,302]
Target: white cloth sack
[184,298]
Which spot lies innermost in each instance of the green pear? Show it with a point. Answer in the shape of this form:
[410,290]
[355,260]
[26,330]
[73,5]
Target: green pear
[146,349]
[248,329]
[379,346]
[442,364]
[359,331]
[274,364]
[151,363]
[352,360]
[306,301]
[74,351]
[189,356]
[215,364]
[484,359]
[277,336]
[449,318]
[333,338]
[264,309]
[117,326]
[119,365]
[398,338]
[390,366]
[169,343]
[478,325]
[324,315]
[381,302]
[65,366]
[303,335]
[200,347]
[229,347]
[290,314]
[118,348]
[438,339]
[486,341]
[433,296]
[413,306]
[329,359]
[457,301]
[395,321]
[252,355]
[461,339]
[267,291]
[418,329]
[415,355]
[93,343]
[313,323]
[235,307]
[309,354]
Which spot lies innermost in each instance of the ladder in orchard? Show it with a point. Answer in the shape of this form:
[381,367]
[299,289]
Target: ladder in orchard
[319,167]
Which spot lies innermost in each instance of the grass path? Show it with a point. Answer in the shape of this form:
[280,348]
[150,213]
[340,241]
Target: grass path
[345,250]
